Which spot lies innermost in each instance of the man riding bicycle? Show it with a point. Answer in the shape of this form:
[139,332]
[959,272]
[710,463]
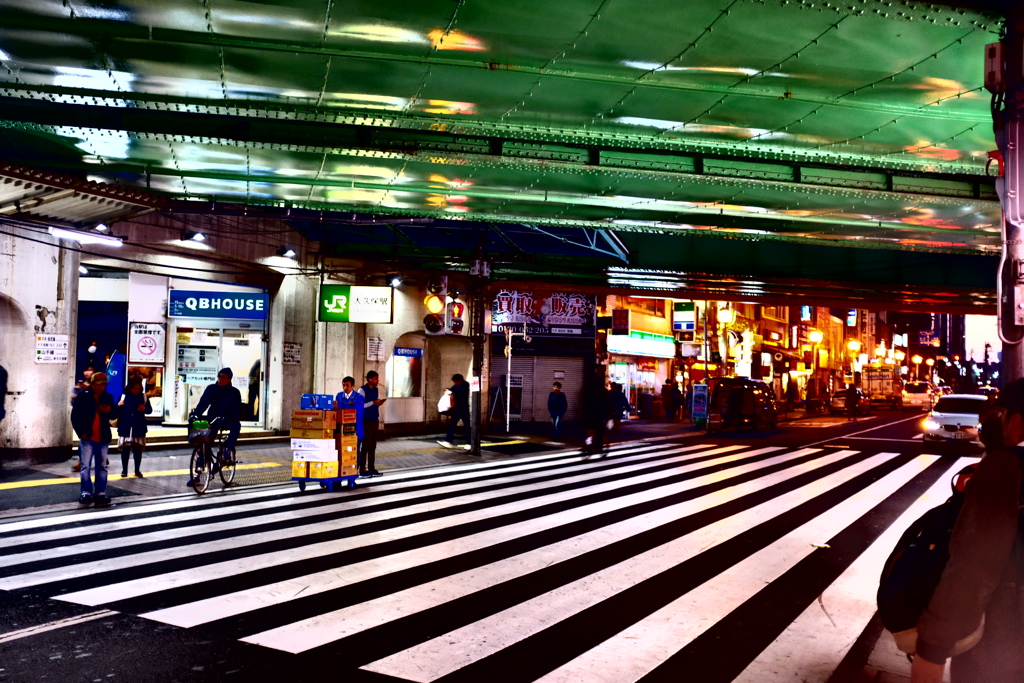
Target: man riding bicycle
[224,403]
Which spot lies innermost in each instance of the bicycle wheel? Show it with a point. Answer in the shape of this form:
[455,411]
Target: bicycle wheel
[199,470]
[227,472]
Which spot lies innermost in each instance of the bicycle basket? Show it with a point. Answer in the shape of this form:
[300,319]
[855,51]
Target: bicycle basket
[199,432]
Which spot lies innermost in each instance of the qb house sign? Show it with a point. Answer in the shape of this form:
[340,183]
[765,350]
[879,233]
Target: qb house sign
[354,304]
[182,303]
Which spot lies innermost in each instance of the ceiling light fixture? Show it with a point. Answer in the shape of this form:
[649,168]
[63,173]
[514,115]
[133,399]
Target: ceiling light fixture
[82,270]
[83,237]
[192,235]
[101,227]
[394,280]
[287,252]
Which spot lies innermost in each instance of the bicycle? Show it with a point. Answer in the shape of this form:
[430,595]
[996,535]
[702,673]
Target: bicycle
[203,436]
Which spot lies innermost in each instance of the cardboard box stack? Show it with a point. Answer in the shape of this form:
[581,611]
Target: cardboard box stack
[316,452]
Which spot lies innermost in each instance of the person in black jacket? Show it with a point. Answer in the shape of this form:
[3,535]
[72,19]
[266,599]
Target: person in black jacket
[90,418]
[224,402]
[596,411]
[459,412]
[558,405]
[131,427]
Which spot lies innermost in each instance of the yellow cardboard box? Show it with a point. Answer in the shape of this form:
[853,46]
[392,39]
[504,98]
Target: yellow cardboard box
[315,414]
[348,470]
[300,468]
[348,415]
[347,458]
[311,433]
[327,421]
[328,470]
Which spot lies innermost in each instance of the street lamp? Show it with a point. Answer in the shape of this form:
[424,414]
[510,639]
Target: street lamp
[916,360]
[930,362]
[815,337]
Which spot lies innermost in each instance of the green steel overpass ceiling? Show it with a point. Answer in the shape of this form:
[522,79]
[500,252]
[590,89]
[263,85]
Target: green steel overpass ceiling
[861,122]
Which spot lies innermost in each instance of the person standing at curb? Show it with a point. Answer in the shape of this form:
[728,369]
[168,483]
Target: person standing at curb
[558,405]
[980,584]
[371,425]
[131,427]
[460,411]
[90,418]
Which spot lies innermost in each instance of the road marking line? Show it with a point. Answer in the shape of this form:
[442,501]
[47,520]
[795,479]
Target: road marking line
[865,431]
[163,473]
[877,438]
[54,625]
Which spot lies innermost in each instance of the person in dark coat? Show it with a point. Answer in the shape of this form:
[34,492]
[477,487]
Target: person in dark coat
[620,405]
[669,400]
[459,412]
[851,403]
[90,417]
[596,411]
[558,405]
[131,427]
[372,402]
[225,402]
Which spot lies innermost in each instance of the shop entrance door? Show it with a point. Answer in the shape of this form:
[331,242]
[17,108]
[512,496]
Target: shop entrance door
[243,352]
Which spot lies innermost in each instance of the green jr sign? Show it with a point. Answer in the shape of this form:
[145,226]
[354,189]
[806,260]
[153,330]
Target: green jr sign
[354,304]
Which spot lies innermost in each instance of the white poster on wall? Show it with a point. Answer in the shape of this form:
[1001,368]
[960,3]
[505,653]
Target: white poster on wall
[52,348]
[198,364]
[146,343]
[292,353]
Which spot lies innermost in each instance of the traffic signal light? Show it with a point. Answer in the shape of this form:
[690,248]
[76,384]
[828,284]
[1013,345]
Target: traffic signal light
[456,317]
[437,291]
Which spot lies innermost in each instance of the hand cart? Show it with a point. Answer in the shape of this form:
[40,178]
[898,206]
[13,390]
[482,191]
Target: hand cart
[329,483]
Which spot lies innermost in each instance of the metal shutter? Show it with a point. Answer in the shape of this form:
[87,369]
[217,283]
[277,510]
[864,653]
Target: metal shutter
[572,384]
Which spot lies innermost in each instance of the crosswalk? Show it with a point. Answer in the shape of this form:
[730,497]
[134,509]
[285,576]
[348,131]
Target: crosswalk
[659,560]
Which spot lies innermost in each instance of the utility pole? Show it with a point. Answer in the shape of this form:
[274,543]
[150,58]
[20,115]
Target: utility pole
[479,273]
[1005,80]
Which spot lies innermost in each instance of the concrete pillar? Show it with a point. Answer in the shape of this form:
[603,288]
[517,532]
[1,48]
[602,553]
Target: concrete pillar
[38,295]
[1009,129]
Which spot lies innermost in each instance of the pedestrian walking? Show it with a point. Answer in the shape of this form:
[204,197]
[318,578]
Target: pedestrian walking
[619,404]
[596,412]
[459,412]
[981,581]
[792,394]
[669,395]
[558,405]
[366,458]
[131,426]
[851,403]
[90,418]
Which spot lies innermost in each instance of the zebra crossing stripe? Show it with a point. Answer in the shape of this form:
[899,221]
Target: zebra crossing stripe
[626,656]
[222,606]
[104,543]
[54,625]
[250,561]
[816,642]
[669,629]
[322,629]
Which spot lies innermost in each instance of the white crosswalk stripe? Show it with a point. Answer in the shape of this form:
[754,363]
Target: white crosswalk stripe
[452,573]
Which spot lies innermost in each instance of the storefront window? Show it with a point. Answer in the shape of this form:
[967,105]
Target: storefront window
[405,373]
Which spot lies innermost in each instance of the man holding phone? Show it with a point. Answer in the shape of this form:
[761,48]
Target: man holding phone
[371,425]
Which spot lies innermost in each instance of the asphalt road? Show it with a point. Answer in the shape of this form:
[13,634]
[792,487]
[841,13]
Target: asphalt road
[748,556]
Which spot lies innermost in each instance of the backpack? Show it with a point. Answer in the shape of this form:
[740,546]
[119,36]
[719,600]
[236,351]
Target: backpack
[913,569]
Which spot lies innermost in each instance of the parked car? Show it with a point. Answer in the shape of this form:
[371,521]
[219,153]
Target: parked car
[988,390]
[838,404]
[739,402]
[955,418]
[918,395]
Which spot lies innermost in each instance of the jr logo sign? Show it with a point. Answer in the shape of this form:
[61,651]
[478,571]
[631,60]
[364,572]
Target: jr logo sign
[337,304]
[352,304]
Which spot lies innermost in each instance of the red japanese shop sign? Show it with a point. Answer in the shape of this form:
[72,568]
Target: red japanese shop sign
[544,313]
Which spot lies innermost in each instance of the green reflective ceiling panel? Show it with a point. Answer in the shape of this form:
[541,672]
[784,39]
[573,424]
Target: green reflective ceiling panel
[552,95]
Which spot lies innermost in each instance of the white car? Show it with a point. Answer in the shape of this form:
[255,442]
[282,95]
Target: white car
[918,395]
[956,417]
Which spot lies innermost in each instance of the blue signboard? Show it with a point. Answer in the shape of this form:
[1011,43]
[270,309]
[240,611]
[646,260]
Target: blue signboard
[183,303]
[406,352]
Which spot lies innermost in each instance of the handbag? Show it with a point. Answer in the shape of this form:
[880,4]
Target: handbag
[444,405]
